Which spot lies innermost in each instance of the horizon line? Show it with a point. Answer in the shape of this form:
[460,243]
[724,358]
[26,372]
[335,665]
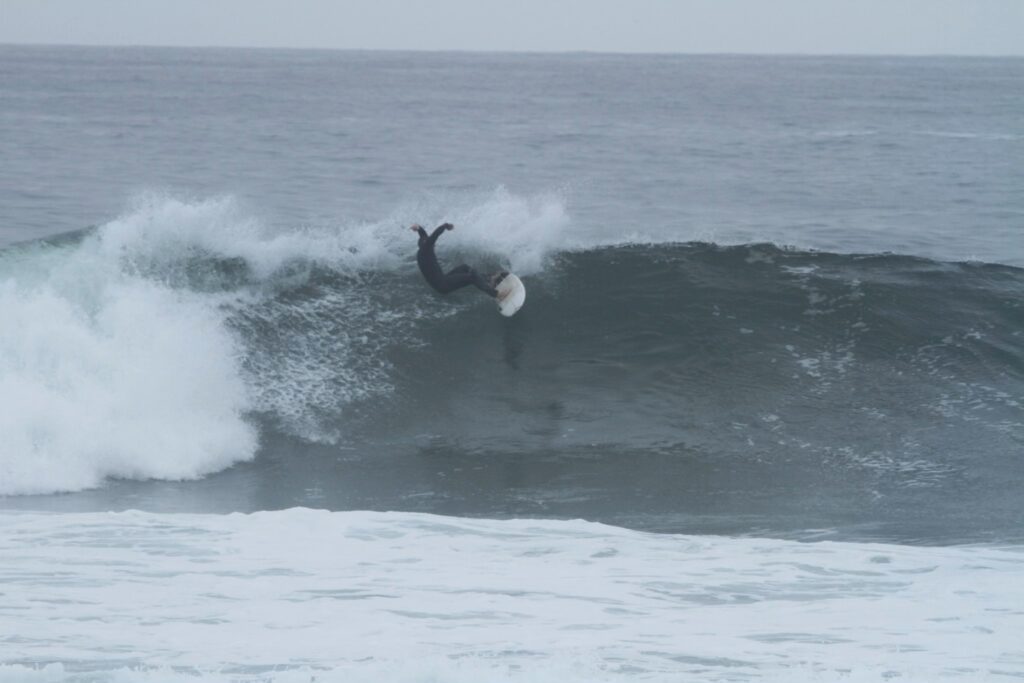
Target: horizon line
[652,53]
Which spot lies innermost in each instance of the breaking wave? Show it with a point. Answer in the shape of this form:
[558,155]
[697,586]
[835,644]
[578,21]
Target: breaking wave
[162,344]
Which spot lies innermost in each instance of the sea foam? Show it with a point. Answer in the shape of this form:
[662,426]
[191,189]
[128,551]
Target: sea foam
[298,595]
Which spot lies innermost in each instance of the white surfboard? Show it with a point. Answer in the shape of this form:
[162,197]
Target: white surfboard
[511,295]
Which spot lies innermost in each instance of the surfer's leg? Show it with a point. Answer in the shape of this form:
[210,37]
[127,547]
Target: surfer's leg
[457,278]
[483,285]
[463,276]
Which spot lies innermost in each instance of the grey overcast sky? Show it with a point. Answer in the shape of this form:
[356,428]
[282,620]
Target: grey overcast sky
[957,27]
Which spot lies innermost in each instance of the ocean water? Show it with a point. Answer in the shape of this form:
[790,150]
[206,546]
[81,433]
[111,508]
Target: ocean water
[761,418]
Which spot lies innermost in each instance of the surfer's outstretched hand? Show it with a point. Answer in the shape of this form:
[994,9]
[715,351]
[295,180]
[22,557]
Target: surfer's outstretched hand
[447,226]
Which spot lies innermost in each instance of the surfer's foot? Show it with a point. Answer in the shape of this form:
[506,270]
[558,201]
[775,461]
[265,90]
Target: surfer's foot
[498,277]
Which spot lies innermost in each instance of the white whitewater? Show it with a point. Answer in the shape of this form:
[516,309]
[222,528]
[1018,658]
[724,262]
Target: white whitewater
[313,595]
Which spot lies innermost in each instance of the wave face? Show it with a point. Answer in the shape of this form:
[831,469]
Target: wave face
[642,384]
[721,347]
[700,388]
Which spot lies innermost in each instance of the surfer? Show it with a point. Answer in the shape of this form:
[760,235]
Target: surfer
[457,277]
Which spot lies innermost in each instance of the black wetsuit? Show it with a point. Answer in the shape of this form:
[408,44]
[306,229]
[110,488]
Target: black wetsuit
[456,278]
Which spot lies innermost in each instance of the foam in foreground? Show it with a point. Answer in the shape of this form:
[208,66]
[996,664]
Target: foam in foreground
[310,595]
